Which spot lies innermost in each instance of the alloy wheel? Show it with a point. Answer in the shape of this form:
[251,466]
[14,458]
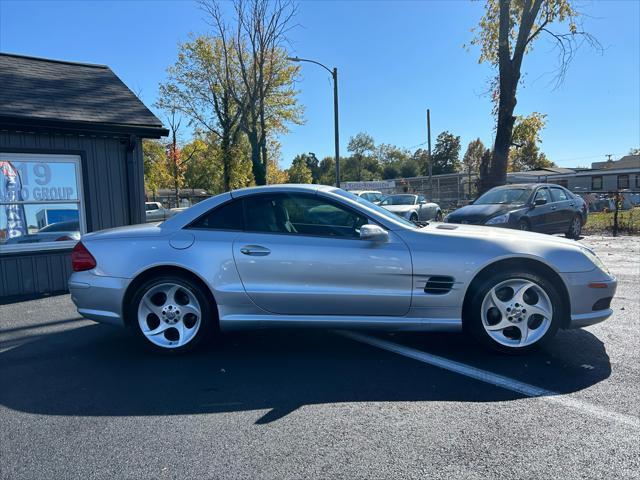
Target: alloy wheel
[576,227]
[516,312]
[169,315]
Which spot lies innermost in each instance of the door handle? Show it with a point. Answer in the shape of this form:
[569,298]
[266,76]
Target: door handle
[255,250]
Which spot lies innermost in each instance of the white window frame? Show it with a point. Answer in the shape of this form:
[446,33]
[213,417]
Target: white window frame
[49,158]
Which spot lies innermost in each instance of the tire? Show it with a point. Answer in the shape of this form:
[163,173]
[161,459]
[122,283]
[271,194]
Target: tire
[524,226]
[438,216]
[575,228]
[501,325]
[177,309]
[413,218]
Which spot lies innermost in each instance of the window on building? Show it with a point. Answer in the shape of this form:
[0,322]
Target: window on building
[623,182]
[637,181]
[41,203]
[563,182]
[596,183]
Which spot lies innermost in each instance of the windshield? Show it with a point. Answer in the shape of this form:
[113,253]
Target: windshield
[399,200]
[379,210]
[504,196]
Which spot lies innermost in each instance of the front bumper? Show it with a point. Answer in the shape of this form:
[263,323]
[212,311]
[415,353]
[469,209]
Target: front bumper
[98,298]
[584,297]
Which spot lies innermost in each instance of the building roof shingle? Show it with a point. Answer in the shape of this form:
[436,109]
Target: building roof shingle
[41,90]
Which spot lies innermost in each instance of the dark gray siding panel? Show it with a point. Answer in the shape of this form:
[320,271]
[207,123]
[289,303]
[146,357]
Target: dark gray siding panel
[107,203]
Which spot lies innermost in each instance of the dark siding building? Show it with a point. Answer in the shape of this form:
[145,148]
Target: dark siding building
[70,163]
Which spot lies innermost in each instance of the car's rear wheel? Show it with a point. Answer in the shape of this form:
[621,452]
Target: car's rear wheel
[413,218]
[575,228]
[524,226]
[514,312]
[171,314]
[438,216]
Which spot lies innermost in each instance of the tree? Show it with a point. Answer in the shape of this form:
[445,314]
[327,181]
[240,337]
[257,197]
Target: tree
[203,171]
[473,155]
[275,175]
[299,172]
[327,171]
[202,85]
[634,151]
[524,153]
[421,157]
[266,97]
[506,33]
[156,173]
[359,146]
[446,154]
[312,164]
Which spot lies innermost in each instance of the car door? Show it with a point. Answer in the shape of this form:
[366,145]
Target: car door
[301,254]
[564,210]
[540,216]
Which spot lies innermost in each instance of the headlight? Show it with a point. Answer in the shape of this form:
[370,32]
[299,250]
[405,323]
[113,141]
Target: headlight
[499,219]
[594,259]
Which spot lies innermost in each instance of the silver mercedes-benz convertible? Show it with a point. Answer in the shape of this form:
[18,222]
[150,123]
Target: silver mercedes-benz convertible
[318,256]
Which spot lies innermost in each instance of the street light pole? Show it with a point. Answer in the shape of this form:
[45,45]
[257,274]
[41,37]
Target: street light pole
[334,76]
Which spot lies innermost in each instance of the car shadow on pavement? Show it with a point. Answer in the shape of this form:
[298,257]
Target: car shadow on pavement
[97,370]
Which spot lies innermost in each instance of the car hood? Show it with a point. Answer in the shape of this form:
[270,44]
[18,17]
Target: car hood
[498,234]
[481,212]
[399,208]
[142,230]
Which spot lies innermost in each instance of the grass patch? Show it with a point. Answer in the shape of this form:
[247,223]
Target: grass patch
[602,222]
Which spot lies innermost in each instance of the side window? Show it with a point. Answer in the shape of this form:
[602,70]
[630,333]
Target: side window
[558,194]
[368,196]
[301,214]
[421,198]
[225,217]
[543,193]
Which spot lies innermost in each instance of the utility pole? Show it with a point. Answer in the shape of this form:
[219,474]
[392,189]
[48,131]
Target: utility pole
[609,155]
[429,152]
[334,76]
[335,124]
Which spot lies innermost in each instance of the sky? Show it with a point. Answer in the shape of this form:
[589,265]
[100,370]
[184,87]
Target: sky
[395,59]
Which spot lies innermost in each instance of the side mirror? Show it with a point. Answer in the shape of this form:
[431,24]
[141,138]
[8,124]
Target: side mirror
[539,201]
[373,233]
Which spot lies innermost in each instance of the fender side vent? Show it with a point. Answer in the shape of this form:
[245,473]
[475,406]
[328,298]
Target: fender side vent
[439,285]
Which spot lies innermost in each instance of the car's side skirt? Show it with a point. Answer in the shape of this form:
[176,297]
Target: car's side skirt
[242,322]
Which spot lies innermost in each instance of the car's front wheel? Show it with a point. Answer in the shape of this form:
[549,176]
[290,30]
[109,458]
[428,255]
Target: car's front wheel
[514,312]
[171,314]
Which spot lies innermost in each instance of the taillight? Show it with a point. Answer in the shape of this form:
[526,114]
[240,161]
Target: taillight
[81,258]
[64,238]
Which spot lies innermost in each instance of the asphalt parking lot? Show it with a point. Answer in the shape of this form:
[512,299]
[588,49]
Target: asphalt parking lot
[81,400]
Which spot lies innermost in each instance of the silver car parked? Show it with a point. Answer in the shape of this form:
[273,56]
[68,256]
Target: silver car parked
[412,207]
[317,256]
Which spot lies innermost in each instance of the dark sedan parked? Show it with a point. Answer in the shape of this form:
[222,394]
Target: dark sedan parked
[539,207]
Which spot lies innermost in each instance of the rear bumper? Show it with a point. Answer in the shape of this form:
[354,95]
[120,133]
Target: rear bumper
[98,298]
[584,297]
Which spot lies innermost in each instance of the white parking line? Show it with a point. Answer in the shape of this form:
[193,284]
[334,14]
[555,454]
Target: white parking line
[495,379]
